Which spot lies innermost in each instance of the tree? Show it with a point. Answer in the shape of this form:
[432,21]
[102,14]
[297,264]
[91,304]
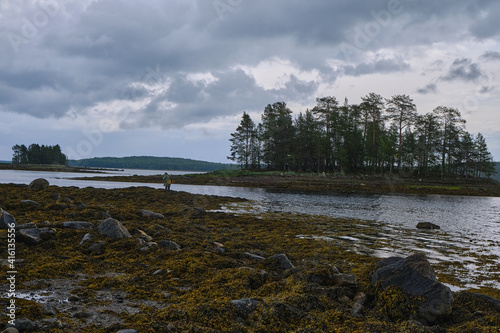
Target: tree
[307,148]
[277,135]
[242,143]
[451,124]
[373,105]
[484,159]
[403,113]
[326,111]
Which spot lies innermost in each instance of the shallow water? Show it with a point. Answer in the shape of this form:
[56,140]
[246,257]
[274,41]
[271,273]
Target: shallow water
[470,226]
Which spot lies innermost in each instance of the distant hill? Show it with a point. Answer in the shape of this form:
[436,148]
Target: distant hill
[5,161]
[151,163]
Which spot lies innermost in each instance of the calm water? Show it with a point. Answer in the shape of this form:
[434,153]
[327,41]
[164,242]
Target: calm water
[470,223]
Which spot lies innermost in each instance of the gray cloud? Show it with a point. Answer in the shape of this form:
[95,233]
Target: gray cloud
[378,66]
[463,69]
[491,55]
[92,52]
[430,88]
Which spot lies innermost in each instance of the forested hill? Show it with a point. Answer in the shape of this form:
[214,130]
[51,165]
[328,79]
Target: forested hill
[150,162]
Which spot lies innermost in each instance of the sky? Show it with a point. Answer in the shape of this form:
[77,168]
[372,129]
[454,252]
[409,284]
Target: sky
[173,77]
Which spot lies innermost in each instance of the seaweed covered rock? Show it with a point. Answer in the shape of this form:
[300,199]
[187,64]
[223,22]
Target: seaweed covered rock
[415,276]
[39,184]
[245,306]
[279,261]
[169,245]
[113,229]
[152,215]
[427,225]
[6,220]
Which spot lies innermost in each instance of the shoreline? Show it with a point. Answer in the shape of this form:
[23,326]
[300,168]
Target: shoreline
[328,183]
[130,283]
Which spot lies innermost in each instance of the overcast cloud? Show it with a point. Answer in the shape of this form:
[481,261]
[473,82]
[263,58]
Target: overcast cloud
[172,78]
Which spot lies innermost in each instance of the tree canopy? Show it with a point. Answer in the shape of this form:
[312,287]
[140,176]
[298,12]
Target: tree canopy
[376,136]
[36,154]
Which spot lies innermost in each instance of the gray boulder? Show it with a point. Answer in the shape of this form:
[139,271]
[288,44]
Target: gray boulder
[151,215]
[6,220]
[39,184]
[30,225]
[415,276]
[245,306]
[113,229]
[169,245]
[30,203]
[87,238]
[29,236]
[280,261]
[79,225]
[427,225]
[23,325]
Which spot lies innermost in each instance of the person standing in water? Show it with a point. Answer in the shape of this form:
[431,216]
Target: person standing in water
[167,181]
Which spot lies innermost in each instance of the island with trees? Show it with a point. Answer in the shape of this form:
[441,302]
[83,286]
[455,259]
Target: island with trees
[377,136]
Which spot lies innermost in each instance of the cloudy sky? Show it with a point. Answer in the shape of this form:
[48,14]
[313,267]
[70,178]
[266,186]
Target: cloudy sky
[173,77]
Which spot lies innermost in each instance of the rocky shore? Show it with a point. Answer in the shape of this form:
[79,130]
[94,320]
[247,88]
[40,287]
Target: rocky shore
[147,260]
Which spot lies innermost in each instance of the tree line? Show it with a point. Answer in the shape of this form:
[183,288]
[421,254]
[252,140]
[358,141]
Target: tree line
[375,136]
[36,154]
[150,162]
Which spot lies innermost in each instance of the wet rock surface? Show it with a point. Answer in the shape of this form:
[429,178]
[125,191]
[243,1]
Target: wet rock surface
[415,276]
[265,279]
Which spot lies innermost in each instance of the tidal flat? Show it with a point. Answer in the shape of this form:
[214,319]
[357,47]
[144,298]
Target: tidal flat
[188,265]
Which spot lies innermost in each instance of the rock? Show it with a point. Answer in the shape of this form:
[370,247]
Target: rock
[46,233]
[87,238]
[30,203]
[169,245]
[427,225]
[147,245]
[142,235]
[30,225]
[245,306]
[55,196]
[194,212]
[39,184]
[151,215]
[51,323]
[79,225]
[106,215]
[73,298]
[82,315]
[6,220]
[97,248]
[359,302]
[252,256]
[415,276]
[344,279]
[29,236]
[476,302]
[23,325]
[113,229]
[10,330]
[128,330]
[280,261]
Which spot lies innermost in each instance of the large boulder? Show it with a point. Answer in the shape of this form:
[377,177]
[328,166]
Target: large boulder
[6,220]
[113,229]
[29,236]
[39,184]
[415,276]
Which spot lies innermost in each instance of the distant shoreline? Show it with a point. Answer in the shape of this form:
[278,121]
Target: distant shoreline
[53,168]
[326,183]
